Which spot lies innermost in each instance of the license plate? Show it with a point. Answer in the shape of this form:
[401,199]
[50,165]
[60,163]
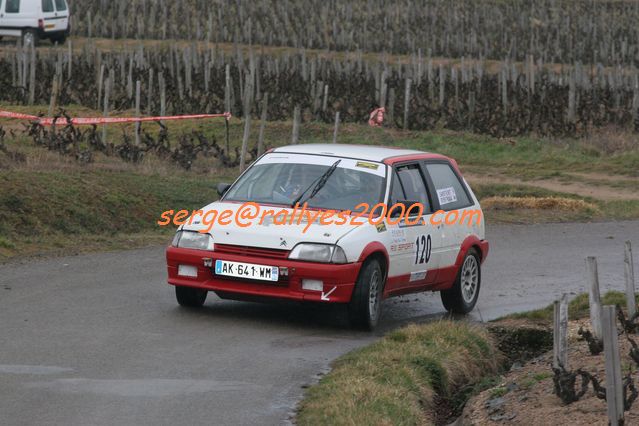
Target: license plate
[246,270]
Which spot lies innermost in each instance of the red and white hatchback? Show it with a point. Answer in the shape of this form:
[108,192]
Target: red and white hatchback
[358,264]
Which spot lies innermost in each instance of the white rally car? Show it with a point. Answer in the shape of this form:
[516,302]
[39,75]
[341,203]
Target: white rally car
[355,264]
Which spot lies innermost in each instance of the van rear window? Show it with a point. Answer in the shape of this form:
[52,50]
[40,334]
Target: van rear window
[47,6]
[12,6]
[61,5]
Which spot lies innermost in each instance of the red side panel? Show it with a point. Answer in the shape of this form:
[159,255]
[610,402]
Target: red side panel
[425,156]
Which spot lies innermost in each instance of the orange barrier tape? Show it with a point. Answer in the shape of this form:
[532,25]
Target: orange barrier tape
[62,121]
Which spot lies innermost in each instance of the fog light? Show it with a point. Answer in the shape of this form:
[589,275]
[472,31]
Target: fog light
[313,285]
[187,271]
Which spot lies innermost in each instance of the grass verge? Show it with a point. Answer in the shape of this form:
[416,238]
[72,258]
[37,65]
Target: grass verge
[403,379]
[54,211]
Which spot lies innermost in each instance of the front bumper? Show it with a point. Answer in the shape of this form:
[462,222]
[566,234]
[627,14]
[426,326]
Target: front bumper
[339,280]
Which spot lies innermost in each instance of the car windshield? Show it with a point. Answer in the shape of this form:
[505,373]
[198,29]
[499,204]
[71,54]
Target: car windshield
[282,178]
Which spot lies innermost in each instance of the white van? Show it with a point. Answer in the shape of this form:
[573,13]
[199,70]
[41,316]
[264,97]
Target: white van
[34,20]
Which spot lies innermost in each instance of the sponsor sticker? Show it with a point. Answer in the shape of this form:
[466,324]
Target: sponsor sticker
[381,227]
[419,222]
[367,165]
[446,195]
[417,276]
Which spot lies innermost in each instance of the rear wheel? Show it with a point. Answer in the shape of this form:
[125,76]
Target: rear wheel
[365,307]
[59,39]
[462,296]
[30,38]
[190,297]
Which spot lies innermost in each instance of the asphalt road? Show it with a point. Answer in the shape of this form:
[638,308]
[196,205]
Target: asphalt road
[99,340]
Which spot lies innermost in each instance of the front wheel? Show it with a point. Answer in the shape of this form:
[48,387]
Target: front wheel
[60,40]
[29,38]
[365,307]
[462,296]
[190,297]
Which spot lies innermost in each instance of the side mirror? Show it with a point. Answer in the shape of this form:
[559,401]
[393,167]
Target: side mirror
[222,188]
[407,205]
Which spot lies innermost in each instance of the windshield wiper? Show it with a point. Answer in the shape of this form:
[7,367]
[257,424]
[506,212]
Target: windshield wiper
[317,184]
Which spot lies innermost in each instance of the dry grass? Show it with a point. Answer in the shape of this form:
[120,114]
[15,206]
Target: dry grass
[611,140]
[402,378]
[538,203]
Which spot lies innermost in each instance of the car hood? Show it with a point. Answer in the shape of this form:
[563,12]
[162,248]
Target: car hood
[269,234]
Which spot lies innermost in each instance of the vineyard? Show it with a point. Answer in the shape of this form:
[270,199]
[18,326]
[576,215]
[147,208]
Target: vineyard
[420,93]
[560,31]
[557,68]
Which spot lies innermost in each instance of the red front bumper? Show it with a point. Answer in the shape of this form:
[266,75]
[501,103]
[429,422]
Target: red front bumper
[339,280]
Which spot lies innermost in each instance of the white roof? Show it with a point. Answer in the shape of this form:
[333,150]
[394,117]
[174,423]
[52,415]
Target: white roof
[360,152]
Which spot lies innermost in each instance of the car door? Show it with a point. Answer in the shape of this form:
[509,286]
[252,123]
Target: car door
[49,15]
[417,240]
[60,18]
[453,198]
[10,18]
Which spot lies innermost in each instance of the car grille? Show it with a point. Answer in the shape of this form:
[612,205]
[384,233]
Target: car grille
[251,251]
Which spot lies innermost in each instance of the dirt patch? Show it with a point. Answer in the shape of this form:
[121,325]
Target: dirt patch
[526,396]
[603,191]
[521,340]
[551,203]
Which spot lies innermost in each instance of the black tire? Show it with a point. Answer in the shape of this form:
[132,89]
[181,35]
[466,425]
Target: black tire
[190,297]
[60,40]
[365,307]
[30,36]
[462,296]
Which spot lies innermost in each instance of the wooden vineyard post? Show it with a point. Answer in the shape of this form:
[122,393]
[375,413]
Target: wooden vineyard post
[107,90]
[54,92]
[390,111]
[336,129]
[32,76]
[325,101]
[162,84]
[137,111]
[296,125]
[560,333]
[594,297]
[614,385]
[260,139]
[442,85]
[149,88]
[100,82]
[70,63]
[629,275]
[406,102]
[227,89]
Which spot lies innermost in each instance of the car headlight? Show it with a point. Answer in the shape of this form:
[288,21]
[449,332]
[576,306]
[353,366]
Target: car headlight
[193,240]
[318,253]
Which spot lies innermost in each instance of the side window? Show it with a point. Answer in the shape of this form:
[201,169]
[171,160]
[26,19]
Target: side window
[397,193]
[13,6]
[449,189]
[47,6]
[413,184]
[61,5]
